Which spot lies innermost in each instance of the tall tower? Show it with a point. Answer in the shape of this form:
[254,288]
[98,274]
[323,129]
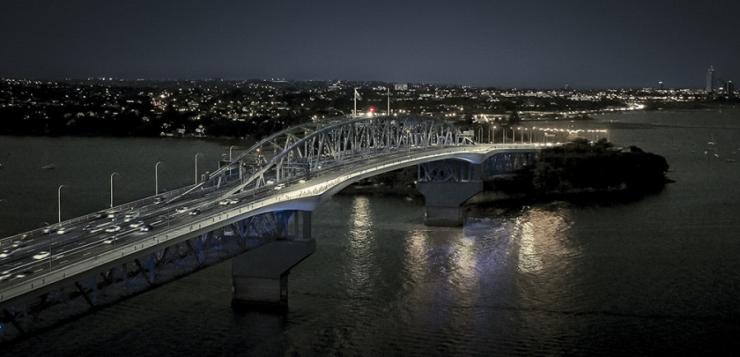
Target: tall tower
[710,80]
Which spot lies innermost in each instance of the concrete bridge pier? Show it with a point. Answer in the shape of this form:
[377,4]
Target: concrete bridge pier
[260,275]
[446,185]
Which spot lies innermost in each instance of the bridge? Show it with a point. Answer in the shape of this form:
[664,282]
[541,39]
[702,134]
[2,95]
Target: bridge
[255,209]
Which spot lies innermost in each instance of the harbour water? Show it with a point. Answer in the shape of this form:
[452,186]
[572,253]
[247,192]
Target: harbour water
[656,275]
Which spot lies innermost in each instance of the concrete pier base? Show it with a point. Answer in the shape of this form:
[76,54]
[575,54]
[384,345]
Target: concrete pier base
[260,276]
[444,201]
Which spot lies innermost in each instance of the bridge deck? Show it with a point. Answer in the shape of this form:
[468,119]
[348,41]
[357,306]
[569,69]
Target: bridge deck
[31,266]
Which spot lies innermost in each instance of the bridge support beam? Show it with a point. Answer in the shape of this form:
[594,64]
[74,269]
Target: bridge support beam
[444,200]
[260,276]
[446,185]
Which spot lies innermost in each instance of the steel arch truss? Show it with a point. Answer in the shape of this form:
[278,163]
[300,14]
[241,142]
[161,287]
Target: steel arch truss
[302,151]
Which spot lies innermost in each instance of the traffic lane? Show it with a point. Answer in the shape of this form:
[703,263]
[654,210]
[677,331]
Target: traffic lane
[98,244]
[76,232]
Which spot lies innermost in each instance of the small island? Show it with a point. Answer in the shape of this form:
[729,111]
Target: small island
[575,171]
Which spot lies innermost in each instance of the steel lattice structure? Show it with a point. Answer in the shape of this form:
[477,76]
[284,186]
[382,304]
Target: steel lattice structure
[302,151]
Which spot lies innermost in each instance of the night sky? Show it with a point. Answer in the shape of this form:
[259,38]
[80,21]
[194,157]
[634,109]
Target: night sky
[507,44]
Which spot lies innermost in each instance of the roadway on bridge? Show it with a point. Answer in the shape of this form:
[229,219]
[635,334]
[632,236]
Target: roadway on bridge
[43,252]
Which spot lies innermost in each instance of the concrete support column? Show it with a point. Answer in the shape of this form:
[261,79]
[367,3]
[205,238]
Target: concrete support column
[444,200]
[260,276]
[444,197]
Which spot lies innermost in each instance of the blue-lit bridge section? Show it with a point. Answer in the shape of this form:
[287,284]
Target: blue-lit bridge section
[255,209]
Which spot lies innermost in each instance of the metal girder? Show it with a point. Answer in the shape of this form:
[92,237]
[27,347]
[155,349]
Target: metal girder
[300,151]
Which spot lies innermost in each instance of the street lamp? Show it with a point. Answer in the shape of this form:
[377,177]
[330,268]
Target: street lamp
[156,178]
[59,204]
[231,148]
[111,188]
[196,168]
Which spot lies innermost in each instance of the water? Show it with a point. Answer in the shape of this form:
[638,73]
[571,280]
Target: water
[660,275]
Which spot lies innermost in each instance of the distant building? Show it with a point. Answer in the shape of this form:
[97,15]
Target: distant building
[401,86]
[710,80]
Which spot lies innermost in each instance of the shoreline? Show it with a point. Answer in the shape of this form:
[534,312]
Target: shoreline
[591,115]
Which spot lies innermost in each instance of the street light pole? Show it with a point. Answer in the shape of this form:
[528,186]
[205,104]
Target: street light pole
[111,188]
[196,168]
[156,178]
[231,148]
[59,204]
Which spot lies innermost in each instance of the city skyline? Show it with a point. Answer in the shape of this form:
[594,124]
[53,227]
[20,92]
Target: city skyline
[527,45]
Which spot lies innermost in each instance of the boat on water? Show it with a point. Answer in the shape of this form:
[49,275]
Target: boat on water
[49,167]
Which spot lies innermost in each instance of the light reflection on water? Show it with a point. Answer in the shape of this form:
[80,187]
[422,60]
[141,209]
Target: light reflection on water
[361,239]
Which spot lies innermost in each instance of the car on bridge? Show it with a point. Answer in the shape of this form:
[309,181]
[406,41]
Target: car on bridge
[136,224]
[113,229]
[228,201]
[194,212]
[62,230]
[6,253]
[146,228]
[24,274]
[41,255]
[181,209]
[130,216]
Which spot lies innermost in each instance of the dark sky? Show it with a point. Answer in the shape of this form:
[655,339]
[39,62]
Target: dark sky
[501,43]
